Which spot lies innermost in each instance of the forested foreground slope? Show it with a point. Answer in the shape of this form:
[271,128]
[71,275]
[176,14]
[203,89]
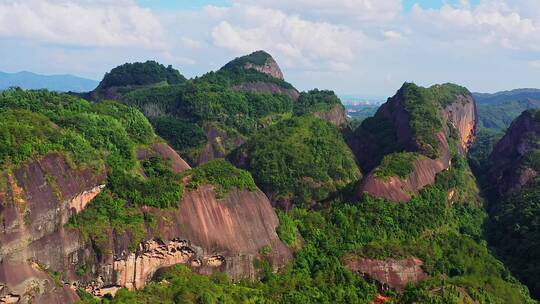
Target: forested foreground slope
[277,208]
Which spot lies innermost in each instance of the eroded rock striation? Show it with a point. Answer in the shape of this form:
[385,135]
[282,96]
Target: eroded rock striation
[38,200]
[208,232]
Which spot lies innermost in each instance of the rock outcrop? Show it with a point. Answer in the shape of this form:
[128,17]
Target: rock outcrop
[509,169]
[392,122]
[208,232]
[38,200]
[390,273]
[259,61]
[336,116]
[270,67]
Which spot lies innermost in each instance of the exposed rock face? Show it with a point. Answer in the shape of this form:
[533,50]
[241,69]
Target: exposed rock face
[207,233]
[337,116]
[459,114]
[508,170]
[389,273]
[270,67]
[267,87]
[462,115]
[25,282]
[398,189]
[39,199]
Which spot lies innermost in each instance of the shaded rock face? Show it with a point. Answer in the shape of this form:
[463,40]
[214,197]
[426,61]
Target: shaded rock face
[38,201]
[336,116]
[389,273]
[18,278]
[460,115]
[266,87]
[207,233]
[508,171]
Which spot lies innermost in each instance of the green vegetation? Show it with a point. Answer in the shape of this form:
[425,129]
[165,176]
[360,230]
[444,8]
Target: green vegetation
[288,231]
[222,175]
[302,160]
[446,236]
[423,106]
[139,73]
[181,114]
[497,111]
[235,72]
[425,118]
[35,123]
[514,228]
[446,93]
[315,101]
[24,135]
[515,232]
[397,164]
[180,285]
[105,215]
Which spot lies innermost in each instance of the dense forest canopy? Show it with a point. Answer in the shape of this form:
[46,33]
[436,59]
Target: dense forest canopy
[305,166]
[302,159]
[141,73]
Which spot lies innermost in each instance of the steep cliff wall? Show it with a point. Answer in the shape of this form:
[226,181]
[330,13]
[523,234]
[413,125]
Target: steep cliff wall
[510,169]
[39,199]
[207,232]
[404,123]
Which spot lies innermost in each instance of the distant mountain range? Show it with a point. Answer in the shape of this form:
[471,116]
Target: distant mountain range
[505,96]
[63,83]
[496,111]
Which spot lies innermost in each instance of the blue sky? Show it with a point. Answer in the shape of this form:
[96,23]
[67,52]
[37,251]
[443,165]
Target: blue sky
[359,47]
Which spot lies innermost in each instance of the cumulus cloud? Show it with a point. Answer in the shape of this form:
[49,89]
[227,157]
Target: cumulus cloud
[98,23]
[506,24]
[298,41]
[336,10]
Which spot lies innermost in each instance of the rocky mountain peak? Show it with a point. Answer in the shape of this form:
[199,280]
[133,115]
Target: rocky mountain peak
[514,156]
[259,61]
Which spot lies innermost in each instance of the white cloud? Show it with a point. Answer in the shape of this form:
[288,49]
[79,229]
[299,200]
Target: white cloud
[81,23]
[300,42]
[335,10]
[497,22]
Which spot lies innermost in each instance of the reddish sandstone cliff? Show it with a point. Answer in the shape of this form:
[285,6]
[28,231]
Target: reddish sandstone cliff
[458,116]
[389,273]
[37,201]
[206,232]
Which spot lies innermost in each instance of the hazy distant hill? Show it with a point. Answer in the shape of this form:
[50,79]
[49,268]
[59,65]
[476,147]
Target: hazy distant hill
[64,83]
[498,110]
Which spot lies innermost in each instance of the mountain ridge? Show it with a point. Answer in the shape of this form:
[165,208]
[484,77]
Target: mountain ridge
[57,82]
